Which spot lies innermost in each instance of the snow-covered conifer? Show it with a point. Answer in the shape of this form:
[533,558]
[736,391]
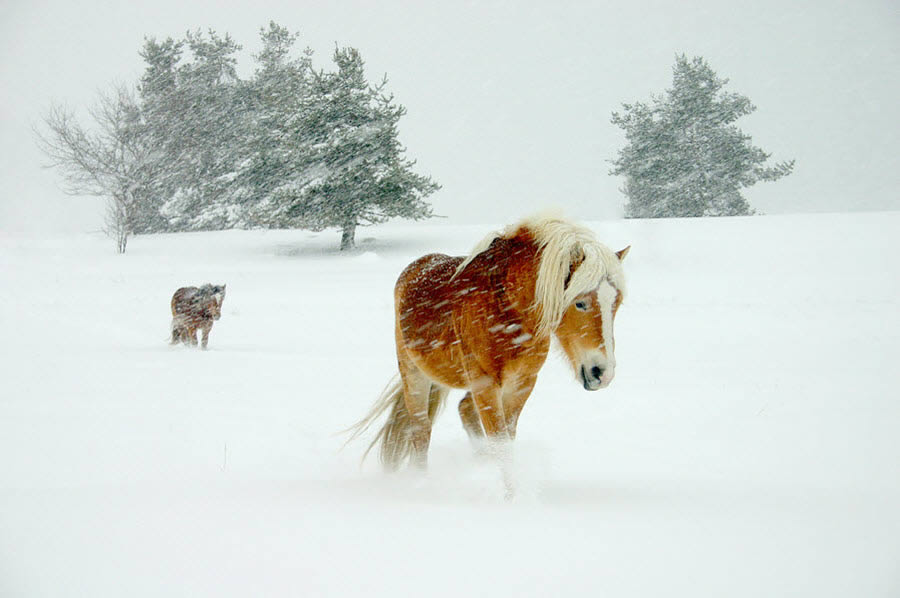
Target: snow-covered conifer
[355,171]
[684,157]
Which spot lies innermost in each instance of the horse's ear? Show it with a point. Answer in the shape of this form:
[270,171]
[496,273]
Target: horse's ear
[622,253]
[577,260]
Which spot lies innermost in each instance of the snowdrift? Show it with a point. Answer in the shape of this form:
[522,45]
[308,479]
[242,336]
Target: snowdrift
[748,446]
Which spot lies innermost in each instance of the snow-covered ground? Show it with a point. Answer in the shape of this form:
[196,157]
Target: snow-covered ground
[749,446]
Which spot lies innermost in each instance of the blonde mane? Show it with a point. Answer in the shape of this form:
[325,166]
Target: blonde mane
[560,243]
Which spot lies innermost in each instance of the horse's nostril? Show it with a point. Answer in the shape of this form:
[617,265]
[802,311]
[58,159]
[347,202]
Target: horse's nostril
[597,372]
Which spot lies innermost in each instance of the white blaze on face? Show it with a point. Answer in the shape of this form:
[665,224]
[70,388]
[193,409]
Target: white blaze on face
[604,357]
[607,295]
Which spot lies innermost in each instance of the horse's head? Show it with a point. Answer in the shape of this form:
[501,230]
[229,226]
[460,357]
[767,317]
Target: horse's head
[214,308]
[586,333]
[214,300]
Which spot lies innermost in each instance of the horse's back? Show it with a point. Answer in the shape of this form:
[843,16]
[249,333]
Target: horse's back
[182,300]
[430,288]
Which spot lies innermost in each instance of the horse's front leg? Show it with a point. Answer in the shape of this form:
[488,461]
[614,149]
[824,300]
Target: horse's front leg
[205,338]
[514,401]
[489,404]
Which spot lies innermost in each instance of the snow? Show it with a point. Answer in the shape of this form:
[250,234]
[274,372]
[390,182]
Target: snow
[747,447]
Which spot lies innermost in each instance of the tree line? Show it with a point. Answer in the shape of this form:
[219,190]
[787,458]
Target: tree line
[194,147]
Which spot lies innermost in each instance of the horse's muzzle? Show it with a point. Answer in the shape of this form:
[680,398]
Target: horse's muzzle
[592,378]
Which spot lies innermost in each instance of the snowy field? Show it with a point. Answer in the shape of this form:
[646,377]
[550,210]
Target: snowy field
[749,446]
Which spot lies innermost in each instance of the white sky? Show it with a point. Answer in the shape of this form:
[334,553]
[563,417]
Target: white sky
[509,102]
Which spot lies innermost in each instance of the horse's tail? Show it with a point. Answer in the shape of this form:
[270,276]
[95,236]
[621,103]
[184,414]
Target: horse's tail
[175,329]
[395,436]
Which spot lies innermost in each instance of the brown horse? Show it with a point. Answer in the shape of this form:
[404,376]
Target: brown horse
[195,309]
[483,323]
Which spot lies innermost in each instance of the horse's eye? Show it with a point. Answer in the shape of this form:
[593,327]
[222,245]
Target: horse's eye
[581,305]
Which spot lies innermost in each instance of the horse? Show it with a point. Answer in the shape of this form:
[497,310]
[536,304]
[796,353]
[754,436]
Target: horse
[195,308]
[483,323]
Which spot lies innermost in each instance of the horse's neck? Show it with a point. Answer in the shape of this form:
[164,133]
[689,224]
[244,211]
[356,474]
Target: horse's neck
[516,260]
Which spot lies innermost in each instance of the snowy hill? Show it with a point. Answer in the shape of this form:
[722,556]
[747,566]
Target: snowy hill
[748,446]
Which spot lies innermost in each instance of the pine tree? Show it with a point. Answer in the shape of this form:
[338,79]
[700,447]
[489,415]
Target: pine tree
[683,156]
[195,112]
[211,126]
[275,150]
[160,111]
[355,172]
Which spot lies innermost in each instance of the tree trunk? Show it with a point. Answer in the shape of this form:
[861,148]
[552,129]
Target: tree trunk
[348,236]
[121,241]
[117,222]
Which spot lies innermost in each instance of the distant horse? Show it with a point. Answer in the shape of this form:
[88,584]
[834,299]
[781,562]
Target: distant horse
[195,309]
[483,323]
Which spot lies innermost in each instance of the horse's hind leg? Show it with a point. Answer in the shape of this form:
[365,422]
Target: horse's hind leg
[180,335]
[416,395]
[436,397]
[470,420]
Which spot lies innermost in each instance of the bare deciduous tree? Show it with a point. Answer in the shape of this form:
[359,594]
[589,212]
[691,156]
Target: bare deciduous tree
[113,160]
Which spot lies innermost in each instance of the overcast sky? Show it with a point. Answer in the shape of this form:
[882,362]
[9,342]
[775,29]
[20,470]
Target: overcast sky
[508,102]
